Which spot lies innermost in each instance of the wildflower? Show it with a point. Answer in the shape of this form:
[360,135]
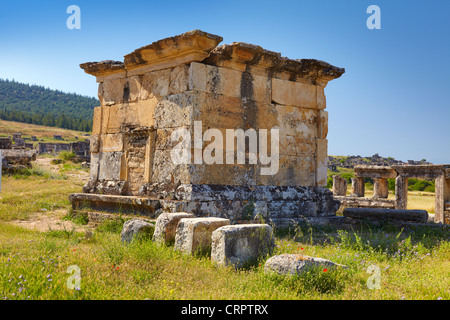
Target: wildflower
[325,270]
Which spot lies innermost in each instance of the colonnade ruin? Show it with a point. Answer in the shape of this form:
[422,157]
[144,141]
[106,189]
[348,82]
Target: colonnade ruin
[401,173]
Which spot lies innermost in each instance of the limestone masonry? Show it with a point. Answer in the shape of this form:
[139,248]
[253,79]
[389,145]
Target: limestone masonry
[174,82]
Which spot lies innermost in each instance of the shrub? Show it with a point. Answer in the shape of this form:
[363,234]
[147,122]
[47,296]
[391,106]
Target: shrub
[419,185]
[66,155]
[329,182]
[348,177]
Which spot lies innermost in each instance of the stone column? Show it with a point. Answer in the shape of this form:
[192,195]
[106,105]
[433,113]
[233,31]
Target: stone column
[401,192]
[380,188]
[442,196]
[358,188]
[339,186]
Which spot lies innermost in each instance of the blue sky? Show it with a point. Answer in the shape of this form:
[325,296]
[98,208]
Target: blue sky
[394,98]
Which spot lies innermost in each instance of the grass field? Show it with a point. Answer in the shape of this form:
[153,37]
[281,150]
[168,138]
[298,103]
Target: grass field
[7,128]
[414,263]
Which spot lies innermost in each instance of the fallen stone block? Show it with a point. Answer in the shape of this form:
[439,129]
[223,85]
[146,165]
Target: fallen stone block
[386,214]
[295,264]
[241,245]
[193,235]
[166,226]
[136,229]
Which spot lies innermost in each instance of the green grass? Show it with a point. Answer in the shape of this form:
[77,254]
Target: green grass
[34,190]
[415,264]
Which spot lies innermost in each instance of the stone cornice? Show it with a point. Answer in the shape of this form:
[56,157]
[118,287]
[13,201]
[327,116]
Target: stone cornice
[200,46]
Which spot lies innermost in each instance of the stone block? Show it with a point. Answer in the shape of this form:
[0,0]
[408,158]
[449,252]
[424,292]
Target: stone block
[299,122]
[166,170]
[321,99]
[401,192]
[296,264]
[156,83]
[339,186]
[141,113]
[219,111]
[136,89]
[112,91]
[197,77]
[358,187]
[224,174]
[322,124]
[179,79]
[321,162]
[297,146]
[380,188]
[111,142]
[191,46]
[105,119]
[241,245]
[223,81]
[166,226]
[94,167]
[97,121]
[115,187]
[262,88]
[386,214]
[292,171]
[375,172]
[194,234]
[136,229]
[110,165]
[94,143]
[291,93]
[112,120]
[176,110]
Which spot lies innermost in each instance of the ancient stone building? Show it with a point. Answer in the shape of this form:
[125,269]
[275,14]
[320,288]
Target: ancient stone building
[187,84]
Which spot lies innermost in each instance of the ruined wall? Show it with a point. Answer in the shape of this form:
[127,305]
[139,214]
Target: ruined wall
[174,82]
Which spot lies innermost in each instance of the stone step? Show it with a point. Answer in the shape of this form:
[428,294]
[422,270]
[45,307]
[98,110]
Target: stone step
[386,214]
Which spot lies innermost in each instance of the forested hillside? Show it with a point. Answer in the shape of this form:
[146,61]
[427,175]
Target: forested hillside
[38,105]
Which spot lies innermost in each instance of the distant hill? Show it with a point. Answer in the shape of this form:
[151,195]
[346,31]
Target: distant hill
[39,105]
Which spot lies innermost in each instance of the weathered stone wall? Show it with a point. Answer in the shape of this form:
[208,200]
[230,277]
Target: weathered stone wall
[5,143]
[49,147]
[80,149]
[15,158]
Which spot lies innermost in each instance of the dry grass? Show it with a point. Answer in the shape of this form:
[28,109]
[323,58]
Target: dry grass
[7,128]
[416,199]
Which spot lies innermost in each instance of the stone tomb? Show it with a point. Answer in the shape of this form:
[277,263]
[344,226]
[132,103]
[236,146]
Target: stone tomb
[189,84]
